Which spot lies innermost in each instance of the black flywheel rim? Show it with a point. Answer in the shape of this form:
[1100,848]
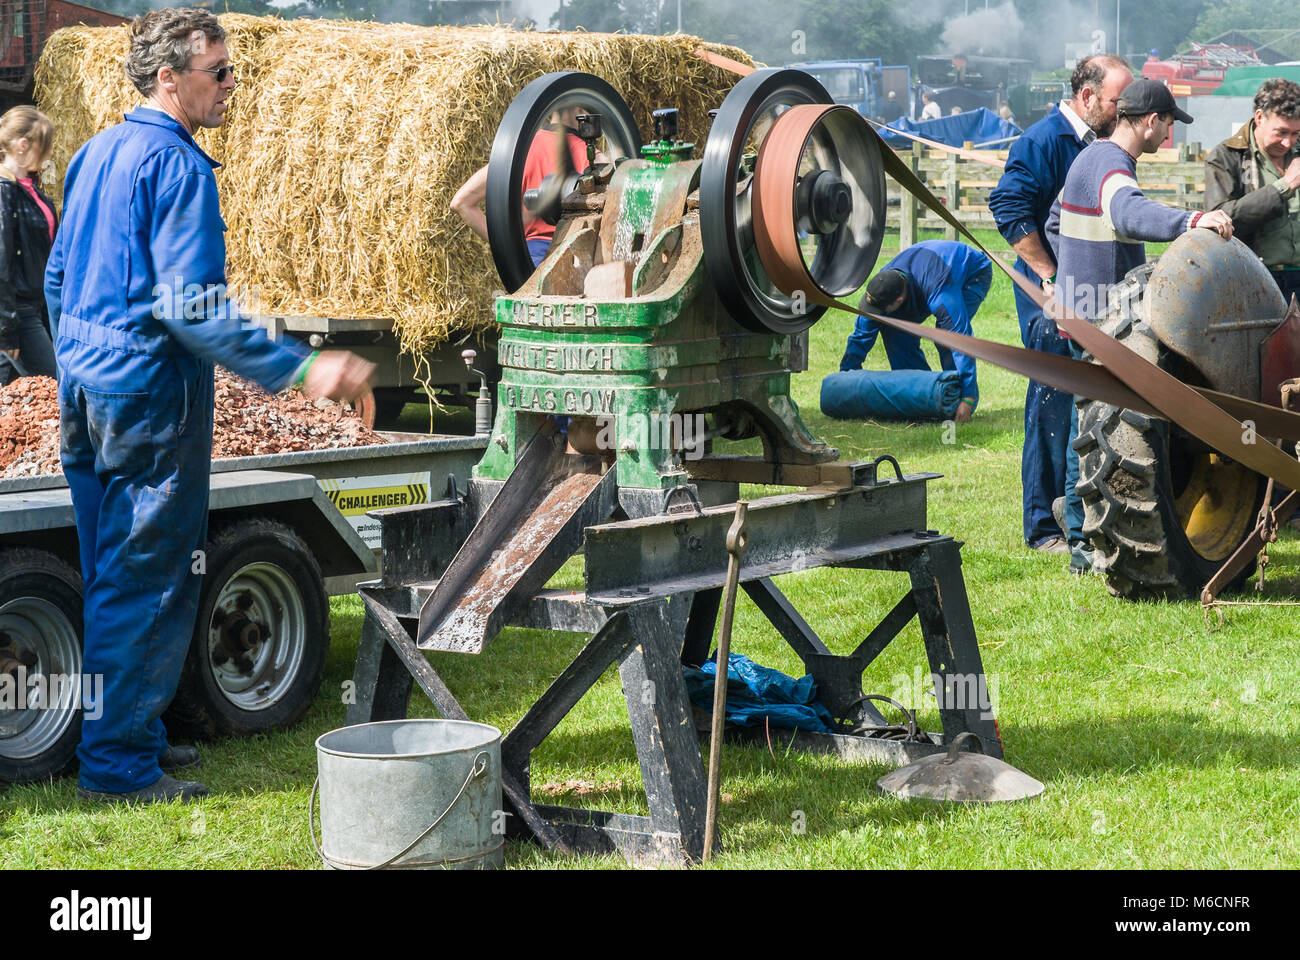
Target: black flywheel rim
[527,113]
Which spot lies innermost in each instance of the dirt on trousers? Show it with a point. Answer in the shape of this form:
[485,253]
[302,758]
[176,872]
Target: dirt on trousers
[247,421]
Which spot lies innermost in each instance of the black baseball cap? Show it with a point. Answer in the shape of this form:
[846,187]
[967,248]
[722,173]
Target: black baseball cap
[1149,96]
[886,287]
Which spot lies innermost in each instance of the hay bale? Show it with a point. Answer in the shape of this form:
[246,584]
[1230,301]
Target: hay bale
[345,142]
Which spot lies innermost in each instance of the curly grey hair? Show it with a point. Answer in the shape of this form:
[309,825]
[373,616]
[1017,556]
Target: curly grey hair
[1279,96]
[165,38]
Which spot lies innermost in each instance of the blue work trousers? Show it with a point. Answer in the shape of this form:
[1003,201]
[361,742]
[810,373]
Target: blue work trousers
[1073,502]
[537,249]
[1048,418]
[136,447]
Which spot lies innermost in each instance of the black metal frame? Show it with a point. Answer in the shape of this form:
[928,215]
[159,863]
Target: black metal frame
[650,637]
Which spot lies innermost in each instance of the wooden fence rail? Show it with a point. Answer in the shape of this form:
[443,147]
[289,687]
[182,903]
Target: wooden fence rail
[1174,176]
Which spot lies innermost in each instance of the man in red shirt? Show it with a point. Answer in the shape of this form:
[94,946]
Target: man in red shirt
[540,163]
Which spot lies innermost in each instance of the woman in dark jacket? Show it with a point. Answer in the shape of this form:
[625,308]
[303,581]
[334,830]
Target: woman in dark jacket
[27,225]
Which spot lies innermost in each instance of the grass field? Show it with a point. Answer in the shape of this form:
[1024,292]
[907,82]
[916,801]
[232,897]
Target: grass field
[1162,742]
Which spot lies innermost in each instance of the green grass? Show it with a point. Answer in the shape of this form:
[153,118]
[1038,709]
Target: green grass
[1162,743]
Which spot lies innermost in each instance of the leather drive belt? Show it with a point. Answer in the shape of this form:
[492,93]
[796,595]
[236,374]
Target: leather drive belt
[1123,378]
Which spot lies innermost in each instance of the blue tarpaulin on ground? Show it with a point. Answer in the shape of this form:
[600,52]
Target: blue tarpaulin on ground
[891,394]
[977,126]
[755,692]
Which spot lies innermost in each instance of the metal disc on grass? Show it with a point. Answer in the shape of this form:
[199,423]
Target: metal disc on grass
[960,777]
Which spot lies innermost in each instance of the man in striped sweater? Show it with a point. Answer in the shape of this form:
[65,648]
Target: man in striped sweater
[1098,228]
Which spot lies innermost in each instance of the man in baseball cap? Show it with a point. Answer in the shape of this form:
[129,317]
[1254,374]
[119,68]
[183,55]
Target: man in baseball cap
[1146,96]
[1098,228]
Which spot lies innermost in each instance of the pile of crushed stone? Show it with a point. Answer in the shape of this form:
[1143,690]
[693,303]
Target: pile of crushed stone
[29,428]
[247,421]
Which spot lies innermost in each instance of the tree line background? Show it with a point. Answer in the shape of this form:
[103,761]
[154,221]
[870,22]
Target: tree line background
[779,31]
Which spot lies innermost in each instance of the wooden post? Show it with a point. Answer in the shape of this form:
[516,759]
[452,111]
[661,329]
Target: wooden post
[907,207]
[953,190]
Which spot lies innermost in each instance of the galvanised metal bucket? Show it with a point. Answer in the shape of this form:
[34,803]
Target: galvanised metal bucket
[410,795]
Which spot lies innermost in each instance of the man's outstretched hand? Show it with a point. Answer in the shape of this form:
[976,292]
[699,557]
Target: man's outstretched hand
[964,410]
[1218,221]
[338,375]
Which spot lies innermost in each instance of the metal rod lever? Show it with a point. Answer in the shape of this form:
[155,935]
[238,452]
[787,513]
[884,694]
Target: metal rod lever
[737,540]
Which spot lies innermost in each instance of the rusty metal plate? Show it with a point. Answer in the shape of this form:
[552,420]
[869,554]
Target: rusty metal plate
[1279,356]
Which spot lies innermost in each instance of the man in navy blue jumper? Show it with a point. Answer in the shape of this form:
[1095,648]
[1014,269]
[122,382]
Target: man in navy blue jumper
[940,277]
[1035,173]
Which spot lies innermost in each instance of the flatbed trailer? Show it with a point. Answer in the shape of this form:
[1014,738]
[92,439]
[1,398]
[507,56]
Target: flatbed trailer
[285,531]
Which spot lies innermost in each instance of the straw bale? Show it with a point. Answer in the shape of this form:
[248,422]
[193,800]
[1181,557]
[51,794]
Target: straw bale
[345,142]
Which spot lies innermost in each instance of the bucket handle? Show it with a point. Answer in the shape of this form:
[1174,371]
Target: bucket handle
[476,772]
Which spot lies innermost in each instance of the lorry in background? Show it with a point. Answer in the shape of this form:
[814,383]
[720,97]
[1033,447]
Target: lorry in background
[1200,70]
[24,27]
[968,83]
[863,84]
[1033,101]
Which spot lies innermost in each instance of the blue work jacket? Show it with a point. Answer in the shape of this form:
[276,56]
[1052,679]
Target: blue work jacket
[139,264]
[1035,173]
[936,271]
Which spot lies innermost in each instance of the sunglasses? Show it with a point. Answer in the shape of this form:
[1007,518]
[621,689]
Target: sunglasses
[219,72]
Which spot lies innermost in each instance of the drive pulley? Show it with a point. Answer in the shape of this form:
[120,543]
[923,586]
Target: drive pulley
[836,211]
[832,165]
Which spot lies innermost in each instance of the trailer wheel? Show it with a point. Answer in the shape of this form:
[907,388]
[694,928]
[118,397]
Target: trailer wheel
[261,636]
[40,665]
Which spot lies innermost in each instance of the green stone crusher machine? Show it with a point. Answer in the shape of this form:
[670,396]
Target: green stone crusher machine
[647,334]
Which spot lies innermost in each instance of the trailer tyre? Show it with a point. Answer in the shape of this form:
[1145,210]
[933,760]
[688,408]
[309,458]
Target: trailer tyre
[40,637]
[261,636]
[1163,514]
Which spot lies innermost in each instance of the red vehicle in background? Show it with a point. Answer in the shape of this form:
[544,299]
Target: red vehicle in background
[1200,70]
[24,27]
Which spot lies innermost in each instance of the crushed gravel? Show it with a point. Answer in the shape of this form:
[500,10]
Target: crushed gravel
[247,421]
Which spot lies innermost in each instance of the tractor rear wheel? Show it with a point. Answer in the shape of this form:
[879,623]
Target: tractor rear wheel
[1163,510]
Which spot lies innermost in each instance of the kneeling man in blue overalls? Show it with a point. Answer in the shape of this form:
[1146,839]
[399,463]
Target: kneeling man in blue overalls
[941,277]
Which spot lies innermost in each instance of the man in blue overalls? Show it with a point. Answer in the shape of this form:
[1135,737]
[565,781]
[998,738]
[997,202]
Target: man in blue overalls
[940,277]
[136,289]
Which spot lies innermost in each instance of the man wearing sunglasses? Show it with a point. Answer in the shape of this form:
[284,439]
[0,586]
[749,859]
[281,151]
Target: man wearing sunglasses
[136,288]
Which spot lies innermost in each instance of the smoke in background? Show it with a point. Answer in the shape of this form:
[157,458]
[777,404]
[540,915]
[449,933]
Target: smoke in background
[782,31]
[1037,30]
[1001,31]
[538,11]
[995,32]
